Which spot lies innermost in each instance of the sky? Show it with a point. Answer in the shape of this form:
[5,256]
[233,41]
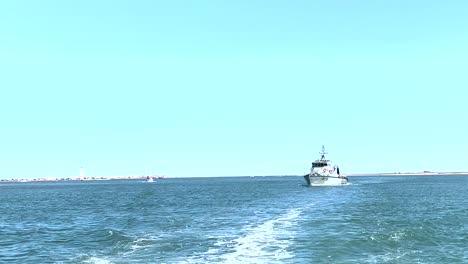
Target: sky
[227,88]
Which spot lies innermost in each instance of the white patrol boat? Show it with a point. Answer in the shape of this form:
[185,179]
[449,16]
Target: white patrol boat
[148,177]
[324,173]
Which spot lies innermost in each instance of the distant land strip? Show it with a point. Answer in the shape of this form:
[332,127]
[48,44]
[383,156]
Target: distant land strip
[141,177]
[49,179]
[423,173]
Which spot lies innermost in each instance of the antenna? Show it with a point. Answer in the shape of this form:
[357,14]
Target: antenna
[323,152]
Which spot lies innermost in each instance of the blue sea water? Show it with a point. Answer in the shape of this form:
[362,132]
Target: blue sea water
[236,220]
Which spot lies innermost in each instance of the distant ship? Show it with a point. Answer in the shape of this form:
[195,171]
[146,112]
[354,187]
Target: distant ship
[324,173]
[148,177]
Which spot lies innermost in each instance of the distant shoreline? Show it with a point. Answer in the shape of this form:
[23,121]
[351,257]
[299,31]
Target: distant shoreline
[426,173]
[429,173]
[111,178]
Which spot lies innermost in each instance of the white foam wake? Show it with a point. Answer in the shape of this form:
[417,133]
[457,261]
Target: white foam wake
[265,243]
[96,260]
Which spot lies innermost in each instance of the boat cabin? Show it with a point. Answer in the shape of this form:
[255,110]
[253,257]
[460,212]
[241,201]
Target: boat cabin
[320,163]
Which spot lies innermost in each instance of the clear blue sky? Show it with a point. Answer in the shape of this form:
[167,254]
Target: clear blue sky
[205,88]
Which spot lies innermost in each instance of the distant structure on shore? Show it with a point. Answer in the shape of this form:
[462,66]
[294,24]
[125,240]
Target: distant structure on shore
[81,174]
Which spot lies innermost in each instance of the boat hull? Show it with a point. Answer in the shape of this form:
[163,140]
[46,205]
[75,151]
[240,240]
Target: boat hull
[317,180]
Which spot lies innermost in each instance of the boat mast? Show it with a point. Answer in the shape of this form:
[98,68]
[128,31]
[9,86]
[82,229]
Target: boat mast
[323,153]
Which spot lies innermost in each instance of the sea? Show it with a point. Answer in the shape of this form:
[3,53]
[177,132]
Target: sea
[406,219]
